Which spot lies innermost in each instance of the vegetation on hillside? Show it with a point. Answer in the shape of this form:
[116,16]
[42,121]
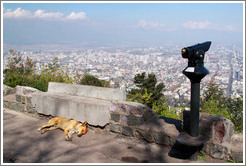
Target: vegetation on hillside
[20,71]
[214,102]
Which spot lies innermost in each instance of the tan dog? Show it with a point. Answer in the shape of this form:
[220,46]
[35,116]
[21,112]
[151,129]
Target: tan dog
[69,126]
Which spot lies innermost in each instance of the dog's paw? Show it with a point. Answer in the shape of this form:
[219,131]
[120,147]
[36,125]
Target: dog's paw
[67,138]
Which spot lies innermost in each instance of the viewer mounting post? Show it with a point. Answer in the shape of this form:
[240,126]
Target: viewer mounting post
[195,71]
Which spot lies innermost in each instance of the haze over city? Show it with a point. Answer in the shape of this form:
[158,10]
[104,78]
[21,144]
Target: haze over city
[121,24]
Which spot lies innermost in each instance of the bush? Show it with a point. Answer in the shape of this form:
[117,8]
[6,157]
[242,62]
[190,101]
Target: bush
[21,72]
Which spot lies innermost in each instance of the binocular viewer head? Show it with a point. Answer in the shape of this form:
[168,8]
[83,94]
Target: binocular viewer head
[195,70]
[196,52]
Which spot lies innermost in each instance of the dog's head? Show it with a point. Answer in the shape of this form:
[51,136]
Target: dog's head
[82,129]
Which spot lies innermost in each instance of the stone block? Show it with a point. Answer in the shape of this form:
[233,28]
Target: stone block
[8,90]
[29,108]
[161,138]
[237,156]
[26,91]
[128,131]
[218,151]
[14,106]
[146,135]
[172,141]
[113,107]
[133,120]
[115,117]
[18,98]
[28,100]
[135,108]
[123,119]
[148,114]
[115,128]
[94,111]
[158,125]
[122,108]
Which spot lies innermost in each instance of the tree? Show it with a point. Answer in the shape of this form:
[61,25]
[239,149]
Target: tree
[92,80]
[149,93]
[214,92]
[146,86]
[215,102]
[235,107]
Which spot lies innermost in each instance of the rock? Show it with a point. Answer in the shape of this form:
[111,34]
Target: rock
[146,135]
[115,117]
[219,131]
[113,107]
[216,127]
[133,120]
[26,91]
[158,125]
[8,90]
[115,128]
[148,114]
[128,131]
[161,138]
[20,99]
[123,119]
[135,108]
[14,106]
[237,156]
[217,151]
[29,108]
[122,109]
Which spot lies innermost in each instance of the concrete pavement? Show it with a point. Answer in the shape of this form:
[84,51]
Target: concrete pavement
[23,143]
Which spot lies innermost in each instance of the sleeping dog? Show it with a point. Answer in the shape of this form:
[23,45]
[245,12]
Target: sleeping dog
[69,126]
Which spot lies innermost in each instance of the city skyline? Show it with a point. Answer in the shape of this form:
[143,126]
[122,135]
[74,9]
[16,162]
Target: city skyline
[121,24]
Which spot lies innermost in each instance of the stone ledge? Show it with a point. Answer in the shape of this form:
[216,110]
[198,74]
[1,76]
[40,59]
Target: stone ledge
[87,91]
[82,109]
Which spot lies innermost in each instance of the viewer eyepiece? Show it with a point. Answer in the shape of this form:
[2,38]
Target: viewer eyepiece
[196,51]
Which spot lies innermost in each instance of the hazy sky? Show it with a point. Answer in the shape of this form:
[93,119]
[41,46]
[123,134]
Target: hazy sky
[121,23]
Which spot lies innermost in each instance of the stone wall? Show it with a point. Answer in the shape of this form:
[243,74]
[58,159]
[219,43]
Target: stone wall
[19,98]
[138,121]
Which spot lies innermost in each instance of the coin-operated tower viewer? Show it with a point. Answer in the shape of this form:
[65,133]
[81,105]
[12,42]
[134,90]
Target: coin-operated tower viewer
[195,71]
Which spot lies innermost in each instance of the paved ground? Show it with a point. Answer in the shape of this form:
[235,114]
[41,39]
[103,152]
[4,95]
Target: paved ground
[23,143]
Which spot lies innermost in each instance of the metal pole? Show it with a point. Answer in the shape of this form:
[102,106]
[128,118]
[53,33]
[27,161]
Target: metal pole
[194,115]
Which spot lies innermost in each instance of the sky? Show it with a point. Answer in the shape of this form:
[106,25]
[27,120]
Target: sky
[121,24]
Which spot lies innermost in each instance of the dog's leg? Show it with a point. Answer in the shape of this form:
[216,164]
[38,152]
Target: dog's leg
[51,123]
[46,126]
[48,129]
[68,135]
